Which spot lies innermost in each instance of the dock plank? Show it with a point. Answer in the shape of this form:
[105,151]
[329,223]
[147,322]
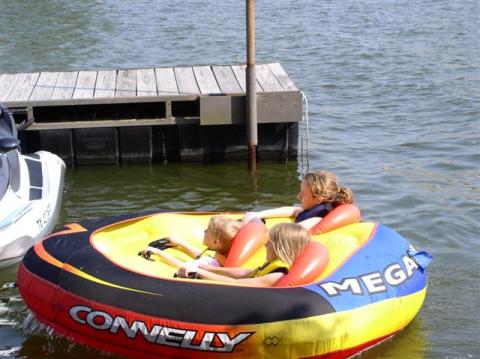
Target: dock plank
[134,84]
[45,85]
[166,83]
[146,82]
[240,73]
[226,79]
[85,86]
[65,85]
[126,83]
[186,81]
[105,85]
[282,77]
[24,87]
[7,83]
[267,79]
[206,80]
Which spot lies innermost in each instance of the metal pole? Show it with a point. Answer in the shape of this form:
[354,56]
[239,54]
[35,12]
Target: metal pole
[251,88]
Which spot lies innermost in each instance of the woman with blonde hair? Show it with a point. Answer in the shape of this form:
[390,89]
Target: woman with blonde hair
[286,242]
[320,192]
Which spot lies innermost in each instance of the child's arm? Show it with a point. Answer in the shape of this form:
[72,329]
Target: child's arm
[191,250]
[167,258]
[267,280]
[273,213]
[232,272]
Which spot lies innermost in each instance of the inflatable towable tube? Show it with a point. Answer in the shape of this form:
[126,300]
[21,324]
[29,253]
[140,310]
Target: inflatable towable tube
[88,283]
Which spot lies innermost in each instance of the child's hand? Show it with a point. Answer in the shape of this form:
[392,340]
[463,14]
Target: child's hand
[147,252]
[144,253]
[188,268]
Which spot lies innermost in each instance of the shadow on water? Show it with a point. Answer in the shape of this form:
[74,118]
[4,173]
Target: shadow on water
[8,274]
[410,343]
[104,191]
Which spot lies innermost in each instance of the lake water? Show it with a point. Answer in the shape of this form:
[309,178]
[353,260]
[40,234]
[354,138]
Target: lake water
[393,90]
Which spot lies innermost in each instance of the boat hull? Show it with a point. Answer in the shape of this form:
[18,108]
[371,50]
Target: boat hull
[30,211]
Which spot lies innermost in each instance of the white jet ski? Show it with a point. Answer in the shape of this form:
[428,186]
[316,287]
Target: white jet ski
[31,188]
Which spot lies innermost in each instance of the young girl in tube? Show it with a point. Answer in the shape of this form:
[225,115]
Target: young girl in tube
[319,194]
[217,237]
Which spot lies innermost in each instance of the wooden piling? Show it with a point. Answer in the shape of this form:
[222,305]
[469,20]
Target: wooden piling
[251,88]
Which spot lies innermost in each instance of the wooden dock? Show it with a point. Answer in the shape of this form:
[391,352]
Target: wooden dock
[188,113]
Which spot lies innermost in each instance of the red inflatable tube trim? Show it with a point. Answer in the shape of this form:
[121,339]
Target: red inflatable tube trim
[340,216]
[307,267]
[248,240]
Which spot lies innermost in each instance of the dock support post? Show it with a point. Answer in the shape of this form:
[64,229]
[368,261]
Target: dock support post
[251,88]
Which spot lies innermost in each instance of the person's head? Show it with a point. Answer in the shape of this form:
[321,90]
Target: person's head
[320,187]
[286,242]
[220,232]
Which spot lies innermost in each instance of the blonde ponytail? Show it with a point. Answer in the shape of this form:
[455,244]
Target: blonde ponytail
[344,196]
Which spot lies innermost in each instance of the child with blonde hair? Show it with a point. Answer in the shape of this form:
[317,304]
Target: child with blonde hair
[286,242]
[319,194]
[217,237]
